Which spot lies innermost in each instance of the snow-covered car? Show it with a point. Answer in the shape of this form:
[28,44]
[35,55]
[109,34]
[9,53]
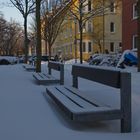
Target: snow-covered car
[5,60]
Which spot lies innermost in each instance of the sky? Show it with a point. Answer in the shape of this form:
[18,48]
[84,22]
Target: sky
[12,13]
[26,115]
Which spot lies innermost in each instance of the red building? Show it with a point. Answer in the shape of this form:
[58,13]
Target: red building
[129,24]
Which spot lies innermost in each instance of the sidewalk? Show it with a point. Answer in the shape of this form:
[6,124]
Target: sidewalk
[26,115]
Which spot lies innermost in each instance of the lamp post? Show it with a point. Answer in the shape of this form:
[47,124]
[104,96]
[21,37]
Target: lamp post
[75,40]
[138,32]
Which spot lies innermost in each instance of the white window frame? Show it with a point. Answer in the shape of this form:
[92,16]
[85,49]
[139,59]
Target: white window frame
[90,26]
[134,43]
[135,14]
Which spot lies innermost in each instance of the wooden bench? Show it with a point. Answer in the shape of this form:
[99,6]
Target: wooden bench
[29,67]
[45,79]
[80,107]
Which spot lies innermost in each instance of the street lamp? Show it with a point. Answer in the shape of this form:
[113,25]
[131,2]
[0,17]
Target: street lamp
[138,32]
[75,40]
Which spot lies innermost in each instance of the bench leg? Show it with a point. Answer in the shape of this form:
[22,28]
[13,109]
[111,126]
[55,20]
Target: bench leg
[125,125]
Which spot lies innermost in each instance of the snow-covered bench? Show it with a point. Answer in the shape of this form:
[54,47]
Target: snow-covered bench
[80,107]
[45,79]
[29,67]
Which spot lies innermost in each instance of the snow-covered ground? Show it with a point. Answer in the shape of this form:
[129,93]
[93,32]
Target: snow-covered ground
[25,114]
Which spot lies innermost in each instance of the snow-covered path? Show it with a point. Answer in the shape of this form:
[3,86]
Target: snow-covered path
[26,115]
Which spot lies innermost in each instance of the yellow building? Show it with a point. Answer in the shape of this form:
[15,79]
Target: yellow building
[100,33]
[113,27]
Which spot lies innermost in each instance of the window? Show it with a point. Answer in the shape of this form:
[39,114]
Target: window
[135,41]
[84,28]
[89,46]
[112,7]
[89,26]
[89,5]
[112,46]
[84,47]
[120,44]
[135,12]
[112,27]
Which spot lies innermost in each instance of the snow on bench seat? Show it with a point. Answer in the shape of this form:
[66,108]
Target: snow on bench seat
[42,78]
[29,67]
[45,79]
[80,107]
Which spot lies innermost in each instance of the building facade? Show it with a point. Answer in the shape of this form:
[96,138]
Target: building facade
[100,33]
[113,27]
[129,24]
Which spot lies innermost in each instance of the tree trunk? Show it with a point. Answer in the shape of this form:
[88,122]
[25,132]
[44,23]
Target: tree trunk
[25,39]
[38,47]
[49,47]
[81,30]
[46,47]
[81,43]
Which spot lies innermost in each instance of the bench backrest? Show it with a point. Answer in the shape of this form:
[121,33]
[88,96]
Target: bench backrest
[110,77]
[57,66]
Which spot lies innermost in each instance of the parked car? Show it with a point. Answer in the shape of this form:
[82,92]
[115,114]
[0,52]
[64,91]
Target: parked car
[44,58]
[5,60]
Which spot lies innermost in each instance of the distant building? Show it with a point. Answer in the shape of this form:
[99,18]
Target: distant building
[129,24]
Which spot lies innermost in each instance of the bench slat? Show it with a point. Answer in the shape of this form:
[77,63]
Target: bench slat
[86,97]
[48,76]
[45,79]
[75,111]
[67,105]
[29,67]
[43,76]
[73,96]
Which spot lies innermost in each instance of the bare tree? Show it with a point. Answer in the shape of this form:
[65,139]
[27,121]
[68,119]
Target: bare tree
[25,7]
[2,29]
[52,21]
[38,39]
[98,34]
[83,10]
[9,35]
